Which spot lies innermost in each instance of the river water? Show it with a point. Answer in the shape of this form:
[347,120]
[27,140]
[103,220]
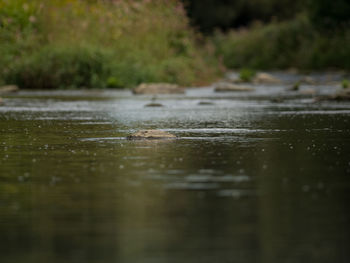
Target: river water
[249,179]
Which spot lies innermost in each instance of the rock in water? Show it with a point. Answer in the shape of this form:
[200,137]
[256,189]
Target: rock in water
[308,92]
[151,135]
[8,89]
[154,104]
[264,78]
[158,88]
[223,87]
[1,101]
[308,80]
[204,103]
[277,100]
[343,95]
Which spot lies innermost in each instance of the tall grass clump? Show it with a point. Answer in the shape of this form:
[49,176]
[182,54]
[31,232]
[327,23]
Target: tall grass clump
[97,44]
[295,43]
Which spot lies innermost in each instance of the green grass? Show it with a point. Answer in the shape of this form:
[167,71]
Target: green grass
[98,44]
[294,43]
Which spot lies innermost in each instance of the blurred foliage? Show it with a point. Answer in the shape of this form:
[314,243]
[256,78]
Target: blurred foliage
[209,15]
[311,34]
[295,43]
[60,67]
[327,14]
[225,14]
[113,43]
[75,43]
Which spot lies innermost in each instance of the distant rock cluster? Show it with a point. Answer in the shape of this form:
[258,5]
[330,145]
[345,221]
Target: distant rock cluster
[158,88]
[7,89]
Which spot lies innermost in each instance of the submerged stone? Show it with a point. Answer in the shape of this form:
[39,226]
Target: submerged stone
[154,104]
[158,88]
[203,103]
[1,101]
[8,89]
[277,100]
[343,95]
[151,134]
[225,87]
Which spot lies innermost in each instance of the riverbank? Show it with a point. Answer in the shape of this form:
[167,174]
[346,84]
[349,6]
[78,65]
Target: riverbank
[74,44]
[98,44]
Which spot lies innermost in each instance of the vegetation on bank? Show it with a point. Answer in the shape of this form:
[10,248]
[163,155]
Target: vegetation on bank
[296,43]
[314,35]
[97,44]
[114,43]
[209,15]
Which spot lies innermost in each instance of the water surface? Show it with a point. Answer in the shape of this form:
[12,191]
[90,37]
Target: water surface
[247,180]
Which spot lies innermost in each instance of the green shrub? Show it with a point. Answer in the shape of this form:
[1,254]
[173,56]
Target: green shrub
[79,67]
[345,84]
[294,43]
[113,82]
[59,67]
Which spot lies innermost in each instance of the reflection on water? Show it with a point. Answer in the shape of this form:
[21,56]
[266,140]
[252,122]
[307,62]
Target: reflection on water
[246,181]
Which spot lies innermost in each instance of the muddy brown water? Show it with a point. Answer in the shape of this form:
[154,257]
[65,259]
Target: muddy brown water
[247,180]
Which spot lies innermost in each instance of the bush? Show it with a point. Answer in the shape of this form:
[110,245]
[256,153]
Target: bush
[295,43]
[59,67]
